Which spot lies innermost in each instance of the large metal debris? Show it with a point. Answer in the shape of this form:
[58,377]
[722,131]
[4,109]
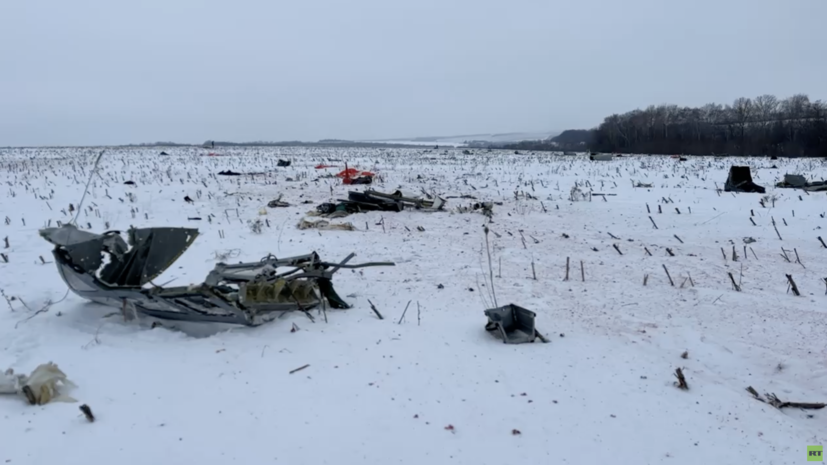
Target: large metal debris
[797,181]
[106,269]
[371,200]
[513,323]
[740,180]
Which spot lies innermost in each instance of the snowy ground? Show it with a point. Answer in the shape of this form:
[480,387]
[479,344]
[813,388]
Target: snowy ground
[381,392]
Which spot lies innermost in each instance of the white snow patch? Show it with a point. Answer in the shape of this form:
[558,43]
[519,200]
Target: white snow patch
[378,392]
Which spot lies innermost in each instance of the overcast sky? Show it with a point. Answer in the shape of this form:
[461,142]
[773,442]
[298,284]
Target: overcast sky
[108,72]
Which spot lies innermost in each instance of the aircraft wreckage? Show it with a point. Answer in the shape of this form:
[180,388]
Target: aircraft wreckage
[106,269]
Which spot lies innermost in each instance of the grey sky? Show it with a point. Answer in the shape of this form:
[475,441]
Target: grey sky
[107,72]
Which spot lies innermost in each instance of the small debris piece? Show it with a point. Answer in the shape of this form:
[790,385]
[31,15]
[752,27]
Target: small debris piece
[87,412]
[516,432]
[29,395]
[685,354]
[450,428]
[277,203]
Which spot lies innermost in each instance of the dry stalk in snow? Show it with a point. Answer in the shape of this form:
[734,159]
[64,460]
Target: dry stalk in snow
[373,307]
[299,369]
[793,287]
[681,382]
[773,400]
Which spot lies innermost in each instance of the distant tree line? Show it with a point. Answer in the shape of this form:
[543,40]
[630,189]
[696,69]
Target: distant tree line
[765,125]
[762,126]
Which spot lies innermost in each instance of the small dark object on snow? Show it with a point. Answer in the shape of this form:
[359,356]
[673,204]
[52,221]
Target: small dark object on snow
[277,203]
[29,395]
[129,183]
[188,199]
[326,208]
[514,323]
[228,173]
[87,412]
[164,153]
[681,382]
[440,286]
[299,369]
[194,218]
[740,180]
[283,163]
[362,180]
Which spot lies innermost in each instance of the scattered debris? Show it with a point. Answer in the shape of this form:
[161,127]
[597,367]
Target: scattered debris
[354,176]
[324,225]
[513,323]
[601,156]
[797,181]
[277,203]
[41,387]
[371,200]
[740,180]
[486,208]
[283,162]
[229,173]
[247,293]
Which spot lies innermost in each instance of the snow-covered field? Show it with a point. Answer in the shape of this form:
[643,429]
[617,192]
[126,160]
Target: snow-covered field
[436,388]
